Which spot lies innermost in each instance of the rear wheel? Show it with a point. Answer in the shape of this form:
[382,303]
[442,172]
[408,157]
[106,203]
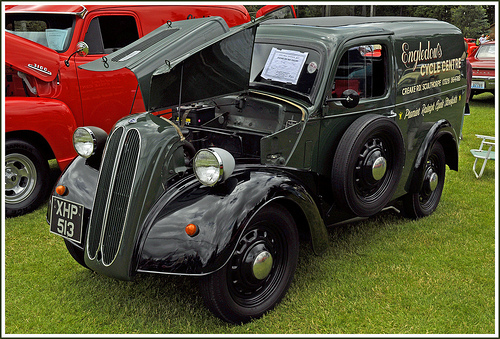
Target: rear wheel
[423,203]
[27,178]
[260,270]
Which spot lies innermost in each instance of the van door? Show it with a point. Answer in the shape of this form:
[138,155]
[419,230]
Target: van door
[366,66]
[107,97]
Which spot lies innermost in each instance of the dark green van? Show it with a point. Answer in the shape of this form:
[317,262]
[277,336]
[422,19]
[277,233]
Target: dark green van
[268,132]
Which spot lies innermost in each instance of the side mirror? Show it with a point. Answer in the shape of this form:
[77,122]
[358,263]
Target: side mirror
[82,49]
[349,98]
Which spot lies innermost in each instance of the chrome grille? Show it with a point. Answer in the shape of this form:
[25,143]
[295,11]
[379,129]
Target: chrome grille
[113,195]
[120,196]
[96,220]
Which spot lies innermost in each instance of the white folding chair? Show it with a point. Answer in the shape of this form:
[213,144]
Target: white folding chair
[484,152]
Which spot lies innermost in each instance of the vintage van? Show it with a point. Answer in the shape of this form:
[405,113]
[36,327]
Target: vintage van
[269,133]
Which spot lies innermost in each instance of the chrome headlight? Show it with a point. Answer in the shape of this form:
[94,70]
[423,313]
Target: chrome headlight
[89,140]
[213,165]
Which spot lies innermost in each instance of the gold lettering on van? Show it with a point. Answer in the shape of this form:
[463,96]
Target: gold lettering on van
[411,58]
[412,113]
[429,107]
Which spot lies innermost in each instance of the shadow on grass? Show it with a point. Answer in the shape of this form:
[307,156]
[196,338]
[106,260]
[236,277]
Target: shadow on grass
[153,301]
[347,243]
[349,238]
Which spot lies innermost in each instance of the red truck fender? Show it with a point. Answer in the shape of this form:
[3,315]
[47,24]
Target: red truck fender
[49,118]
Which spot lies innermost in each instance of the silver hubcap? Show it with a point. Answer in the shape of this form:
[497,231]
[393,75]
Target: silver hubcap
[378,168]
[433,181]
[20,178]
[262,265]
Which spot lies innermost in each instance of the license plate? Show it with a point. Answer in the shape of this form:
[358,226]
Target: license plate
[477,84]
[66,219]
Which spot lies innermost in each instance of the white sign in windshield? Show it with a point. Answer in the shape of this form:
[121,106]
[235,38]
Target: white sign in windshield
[56,38]
[284,65]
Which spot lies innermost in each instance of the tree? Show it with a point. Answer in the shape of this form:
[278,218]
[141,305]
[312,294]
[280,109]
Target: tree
[440,12]
[252,9]
[490,13]
[306,11]
[472,20]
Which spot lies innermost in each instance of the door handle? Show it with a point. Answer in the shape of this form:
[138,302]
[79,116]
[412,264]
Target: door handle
[391,114]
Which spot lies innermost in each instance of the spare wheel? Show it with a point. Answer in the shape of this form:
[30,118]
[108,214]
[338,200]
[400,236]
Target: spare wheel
[368,164]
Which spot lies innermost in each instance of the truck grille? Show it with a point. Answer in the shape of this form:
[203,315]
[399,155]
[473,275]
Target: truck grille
[113,195]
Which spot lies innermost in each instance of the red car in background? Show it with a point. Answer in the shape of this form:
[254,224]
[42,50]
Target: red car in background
[471,45]
[483,68]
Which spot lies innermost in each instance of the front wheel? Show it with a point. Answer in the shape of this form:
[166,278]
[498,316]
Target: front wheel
[27,176]
[260,270]
[423,203]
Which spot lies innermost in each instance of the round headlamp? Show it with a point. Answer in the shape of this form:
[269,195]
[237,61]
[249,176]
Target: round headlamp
[89,140]
[213,165]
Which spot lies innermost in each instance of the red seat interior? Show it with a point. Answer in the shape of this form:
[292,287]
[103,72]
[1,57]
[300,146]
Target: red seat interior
[342,84]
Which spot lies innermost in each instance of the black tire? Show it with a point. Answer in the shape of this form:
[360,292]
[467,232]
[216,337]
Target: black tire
[76,253]
[235,293]
[27,178]
[423,203]
[368,164]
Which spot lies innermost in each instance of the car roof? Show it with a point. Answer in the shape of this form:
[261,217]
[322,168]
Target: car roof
[332,31]
[82,10]
[339,21]
[60,9]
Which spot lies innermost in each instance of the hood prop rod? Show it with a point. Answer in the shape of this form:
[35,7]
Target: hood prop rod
[180,93]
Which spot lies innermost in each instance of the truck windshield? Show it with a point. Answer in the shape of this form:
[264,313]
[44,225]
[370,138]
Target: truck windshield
[50,30]
[486,52]
[290,68]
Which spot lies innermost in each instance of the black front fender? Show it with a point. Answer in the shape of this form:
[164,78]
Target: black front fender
[221,214]
[80,181]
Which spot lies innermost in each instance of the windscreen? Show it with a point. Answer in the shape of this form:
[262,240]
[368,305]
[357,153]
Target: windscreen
[486,52]
[50,30]
[285,67]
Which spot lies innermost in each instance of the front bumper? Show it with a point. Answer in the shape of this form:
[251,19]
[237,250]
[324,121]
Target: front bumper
[483,83]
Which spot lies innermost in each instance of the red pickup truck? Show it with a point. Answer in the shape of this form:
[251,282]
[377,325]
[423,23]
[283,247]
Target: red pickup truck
[47,95]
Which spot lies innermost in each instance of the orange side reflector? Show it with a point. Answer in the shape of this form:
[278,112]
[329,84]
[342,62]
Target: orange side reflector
[61,190]
[191,230]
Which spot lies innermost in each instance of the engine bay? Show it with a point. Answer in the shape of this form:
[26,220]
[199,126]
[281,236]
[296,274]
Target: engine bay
[236,123]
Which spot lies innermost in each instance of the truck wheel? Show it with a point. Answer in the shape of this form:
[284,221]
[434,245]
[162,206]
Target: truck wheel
[423,203]
[260,270]
[76,253]
[26,178]
[368,164]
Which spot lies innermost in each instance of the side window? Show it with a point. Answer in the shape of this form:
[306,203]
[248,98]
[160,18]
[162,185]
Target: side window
[363,69]
[106,34]
[282,13]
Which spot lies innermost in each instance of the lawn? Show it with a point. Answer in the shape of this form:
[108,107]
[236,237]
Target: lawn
[383,275]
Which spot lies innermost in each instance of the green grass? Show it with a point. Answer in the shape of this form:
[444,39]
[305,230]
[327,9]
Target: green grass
[386,274]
